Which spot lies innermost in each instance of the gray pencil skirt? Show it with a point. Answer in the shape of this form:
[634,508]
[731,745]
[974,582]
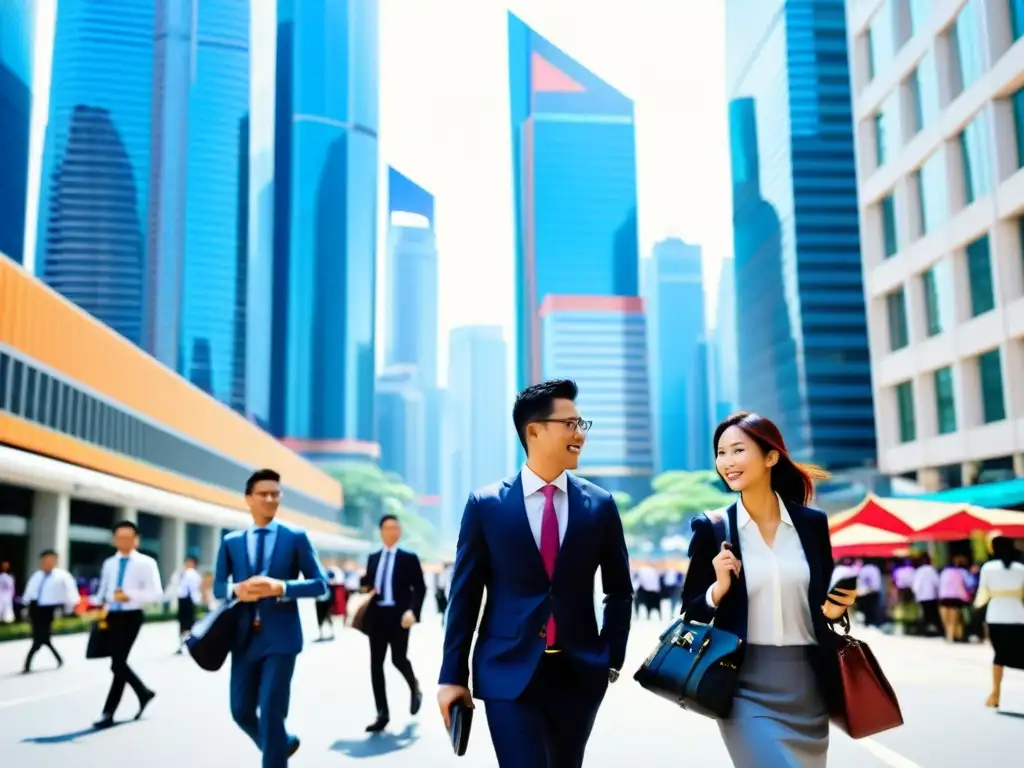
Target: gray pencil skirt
[779,719]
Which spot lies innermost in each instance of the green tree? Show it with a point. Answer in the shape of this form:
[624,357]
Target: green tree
[369,492]
[677,497]
[623,501]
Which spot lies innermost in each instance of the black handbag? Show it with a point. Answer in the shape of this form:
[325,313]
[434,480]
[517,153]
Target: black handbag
[696,666]
[98,646]
[212,638]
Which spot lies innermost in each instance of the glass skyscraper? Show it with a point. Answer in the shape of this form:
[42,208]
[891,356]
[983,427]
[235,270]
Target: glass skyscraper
[198,252]
[17,26]
[801,327]
[325,182]
[96,161]
[574,171]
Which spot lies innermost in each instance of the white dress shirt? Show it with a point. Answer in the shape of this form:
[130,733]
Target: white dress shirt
[141,582]
[190,584]
[534,500]
[53,589]
[1005,590]
[926,583]
[384,582]
[777,578]
[649,579]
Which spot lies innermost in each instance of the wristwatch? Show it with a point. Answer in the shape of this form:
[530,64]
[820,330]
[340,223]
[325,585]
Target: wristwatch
[613,675]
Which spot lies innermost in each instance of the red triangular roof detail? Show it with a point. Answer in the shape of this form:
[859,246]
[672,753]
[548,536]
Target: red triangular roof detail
[547,78]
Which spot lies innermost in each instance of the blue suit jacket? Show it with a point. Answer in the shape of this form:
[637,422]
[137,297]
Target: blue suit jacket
[497,553]
[293,554]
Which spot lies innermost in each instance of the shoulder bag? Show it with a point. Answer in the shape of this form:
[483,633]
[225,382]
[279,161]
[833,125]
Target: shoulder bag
[696,666]
[865,703]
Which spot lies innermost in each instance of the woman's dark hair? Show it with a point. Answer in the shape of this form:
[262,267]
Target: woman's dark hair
[792,481]
[1004,549]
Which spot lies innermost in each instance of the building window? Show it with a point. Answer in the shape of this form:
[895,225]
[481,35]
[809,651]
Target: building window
[896,308]
[967,44]
[880,40]
[1017,18]
[934,192]
[979,273]
[905,407]
[5,367]
[976,155]
[938,299]
[886,133]
[919,12]
[993,407]
[945,403]
[1017,105]
[888,211]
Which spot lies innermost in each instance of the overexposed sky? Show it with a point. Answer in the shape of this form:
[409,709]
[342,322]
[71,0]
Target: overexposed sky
[445,123]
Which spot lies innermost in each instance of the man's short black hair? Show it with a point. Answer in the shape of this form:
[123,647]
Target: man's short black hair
[191,558]
[127,524]
[385,518]
[259,476]
[538,402]
[47,553]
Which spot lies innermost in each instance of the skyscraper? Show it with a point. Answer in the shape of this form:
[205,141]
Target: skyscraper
[601,343]
[801,329]
[17,31]
[674,294]
[574,172]
[724,360]
[478,416]
[199,202]
[411,329]
[96,161]
[325,231]
[401,425]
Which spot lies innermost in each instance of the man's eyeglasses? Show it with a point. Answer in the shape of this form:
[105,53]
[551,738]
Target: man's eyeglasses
[269,495]
[583,425]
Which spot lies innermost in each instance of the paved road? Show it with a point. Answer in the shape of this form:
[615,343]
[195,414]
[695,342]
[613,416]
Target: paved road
[44,717]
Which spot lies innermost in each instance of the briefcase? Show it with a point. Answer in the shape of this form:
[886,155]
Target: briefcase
[458,731]
[214,635]
[98,646]
[865,703]
[361,619]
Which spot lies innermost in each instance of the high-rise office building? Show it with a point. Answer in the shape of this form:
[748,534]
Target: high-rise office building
[325,226]
[478,417]
[801,331]
[94,195]
[674,298]
[401,425]
[939,111]
[574,172]
[722,350]
[17,34]
[411,328]
[601,343]
[199,197]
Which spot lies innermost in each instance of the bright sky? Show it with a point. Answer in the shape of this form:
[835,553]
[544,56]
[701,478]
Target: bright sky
[445,123]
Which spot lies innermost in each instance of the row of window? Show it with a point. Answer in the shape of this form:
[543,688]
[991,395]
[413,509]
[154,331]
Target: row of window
[993,397]
[938,288]
[36,396]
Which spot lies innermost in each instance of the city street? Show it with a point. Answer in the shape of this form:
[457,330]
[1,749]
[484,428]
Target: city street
[45,717]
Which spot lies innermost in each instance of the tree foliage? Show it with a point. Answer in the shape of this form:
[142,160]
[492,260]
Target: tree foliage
[677,497]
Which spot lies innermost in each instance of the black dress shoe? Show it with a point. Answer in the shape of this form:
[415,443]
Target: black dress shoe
[144,700]
[106,721]
[379,724]
[417,701]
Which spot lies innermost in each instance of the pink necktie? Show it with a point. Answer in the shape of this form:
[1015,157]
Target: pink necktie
[549,546]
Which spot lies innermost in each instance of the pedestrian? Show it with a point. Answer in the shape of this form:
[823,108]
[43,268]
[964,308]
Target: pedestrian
[48,589]
[188,589]
[394,578]
[770,586]
[264,563]
[1001,591]
[7,589]
[129,581]
[534,543]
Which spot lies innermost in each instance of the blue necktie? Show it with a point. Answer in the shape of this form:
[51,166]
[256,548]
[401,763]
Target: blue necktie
[257,568]
[122,566]
[42,586]
[385,585]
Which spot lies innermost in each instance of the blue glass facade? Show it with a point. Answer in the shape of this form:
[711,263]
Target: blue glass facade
[199,252]
[325,182]
[404,194]
[574,175]
[674,294]
[94,195]
[801,328]
[17,26]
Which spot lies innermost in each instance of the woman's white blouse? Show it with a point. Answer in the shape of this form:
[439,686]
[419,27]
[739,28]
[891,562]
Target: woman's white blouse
[777,578]
[1005,588]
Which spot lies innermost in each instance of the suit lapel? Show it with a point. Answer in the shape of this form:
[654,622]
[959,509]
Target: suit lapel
[579,509]
[734,540]
[799,519]
[520,533]
[241,555]
[279,557]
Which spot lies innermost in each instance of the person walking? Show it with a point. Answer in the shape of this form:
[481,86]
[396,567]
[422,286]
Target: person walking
[1001,592]
[48,589]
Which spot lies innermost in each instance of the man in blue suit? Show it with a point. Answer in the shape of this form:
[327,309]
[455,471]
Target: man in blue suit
[263,563]
[534,542]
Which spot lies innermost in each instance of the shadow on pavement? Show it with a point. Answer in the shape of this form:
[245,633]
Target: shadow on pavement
[66,738]
[377,744]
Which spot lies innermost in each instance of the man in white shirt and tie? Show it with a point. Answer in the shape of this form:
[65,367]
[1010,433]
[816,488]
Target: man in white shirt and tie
[48,588]
[129,581]
[190,594]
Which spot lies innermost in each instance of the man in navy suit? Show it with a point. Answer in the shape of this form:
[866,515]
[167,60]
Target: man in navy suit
[534,542]
[264,562]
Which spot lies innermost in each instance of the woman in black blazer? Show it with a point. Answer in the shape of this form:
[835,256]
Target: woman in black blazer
[769,585]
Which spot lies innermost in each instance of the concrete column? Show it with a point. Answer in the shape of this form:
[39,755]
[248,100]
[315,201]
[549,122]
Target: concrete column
[209,544]
[48,528]
[126,515]
[1018,464]
[969,472]
[172,546]
[928,478]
